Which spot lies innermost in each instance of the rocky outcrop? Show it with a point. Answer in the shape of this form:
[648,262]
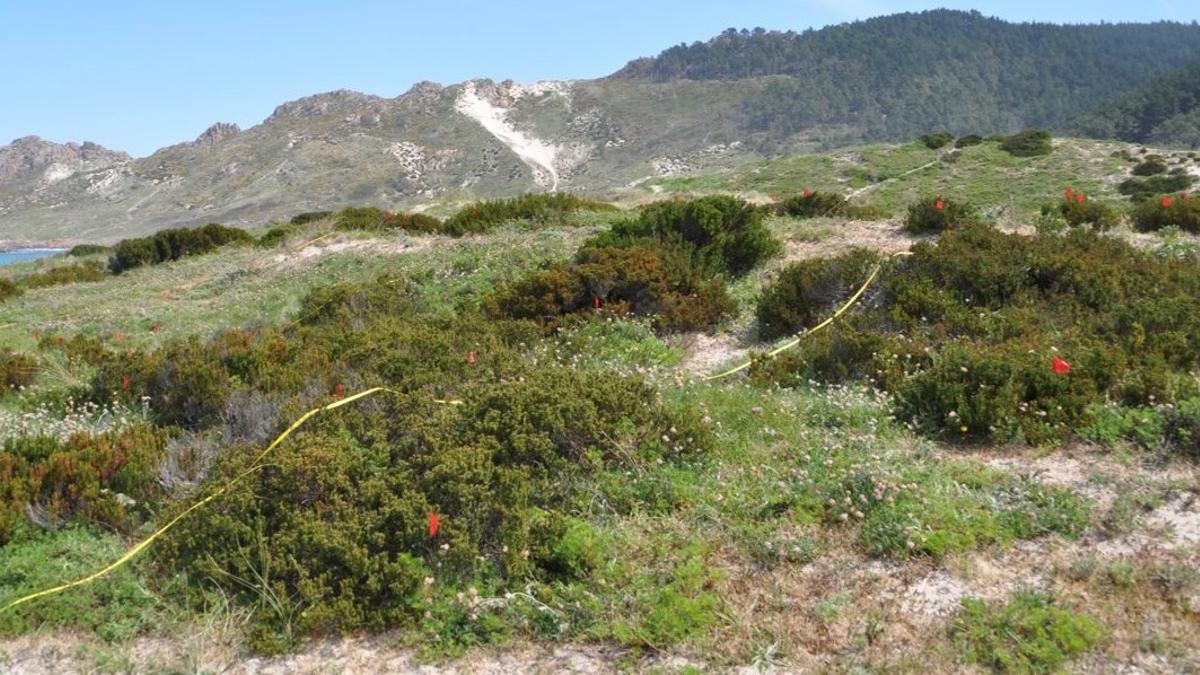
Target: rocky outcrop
[217,133]
[33,157]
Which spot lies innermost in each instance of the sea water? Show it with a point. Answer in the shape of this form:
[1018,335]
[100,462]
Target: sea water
[23,254]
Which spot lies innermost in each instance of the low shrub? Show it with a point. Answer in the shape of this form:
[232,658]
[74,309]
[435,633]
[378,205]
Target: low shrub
[372,219]
[275,236]
[309,217]
[808,291]
[937,214]
[1181,428]
[937,140]
[1141,189]
[359,218]
[343,517]
[968,141]
[9,290]
[1029,143]
[87,478]
[724,233]
[1150,166]
[16,370]
[1077,210]
[1180,211]
[84,250]
[67,274]
[653,281]
[173,244]
[1028,634]
[537,208]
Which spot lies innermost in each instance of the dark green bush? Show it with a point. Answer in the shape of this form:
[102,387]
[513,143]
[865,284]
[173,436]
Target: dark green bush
[937,140]
[964,333]
[341,515]
[724,232]
[309,217]
[1150,166]
[8,290]
[808,291]
[1180,211]
[968,141]
[83,250]
[67,274]
[1141,189]
[173,244]
[83,478]
[538,208]
[1030,143]
[1181,428]
[937,214]
[372,219]
[642,281]
[275,236]
[413,222]
[1077,210]
[811,205]
[359,218]
[16,370]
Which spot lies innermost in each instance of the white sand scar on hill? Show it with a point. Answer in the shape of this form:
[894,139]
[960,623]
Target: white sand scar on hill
[538,154]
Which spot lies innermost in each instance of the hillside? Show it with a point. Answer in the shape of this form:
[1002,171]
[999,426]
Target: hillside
[1165,111]
[987,463]
[699,109]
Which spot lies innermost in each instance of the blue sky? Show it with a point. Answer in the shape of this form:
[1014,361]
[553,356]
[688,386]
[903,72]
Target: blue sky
[138,75]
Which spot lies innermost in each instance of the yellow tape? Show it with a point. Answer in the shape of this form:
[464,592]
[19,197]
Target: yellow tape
[796,340]
[145,543]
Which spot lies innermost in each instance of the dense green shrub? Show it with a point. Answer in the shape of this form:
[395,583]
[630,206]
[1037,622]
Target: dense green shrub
[812,204]
[639,280]
[1152,165]
[1030,143]
[968,141]
[937,214]
[965,333]
[372,219]
[309,217]
[808,291]
[67,274]
[275,236]
[937,140]
[724,232]
[1181,428]
[1141,189]
[9,289]
[16,370]
[538,208]
[1180,211]
[359,218]
[83,250]
[92,478]
[173,244]
[1077,211]
[342,514]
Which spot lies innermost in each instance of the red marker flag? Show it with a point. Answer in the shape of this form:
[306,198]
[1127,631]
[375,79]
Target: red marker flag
[1167,201]
[339,391]
[806,194]
[1060,367]
[125,383]
[1079,197]
[471,357]
[435,523]
[597,303]
[1069,193]
[939,205]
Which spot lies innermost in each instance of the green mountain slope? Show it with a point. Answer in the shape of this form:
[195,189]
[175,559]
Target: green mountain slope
[1166,111]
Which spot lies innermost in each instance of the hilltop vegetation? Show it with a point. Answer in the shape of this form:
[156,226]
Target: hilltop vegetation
[1165,110]
[548,465]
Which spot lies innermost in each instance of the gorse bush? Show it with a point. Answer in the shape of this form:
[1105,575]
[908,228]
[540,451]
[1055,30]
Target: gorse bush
[653,281]
[968,141]
[806,292]
[1141,189]
[1030,143]
[16,370]
[724,233]
[937,214]
[9,290]
[1152,165]
[816,204]
[1077,210]
[67,274]
[173,244]
[372,219]
[1181,210]
[968,334]
[538,208]
[88,478]
[84,250]
[937,140]
[309,217]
